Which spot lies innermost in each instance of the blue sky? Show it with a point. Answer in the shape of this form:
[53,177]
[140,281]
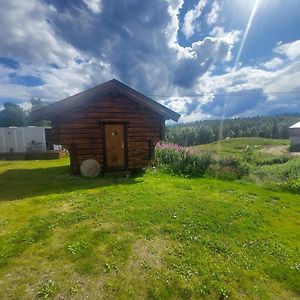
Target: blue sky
[204,59]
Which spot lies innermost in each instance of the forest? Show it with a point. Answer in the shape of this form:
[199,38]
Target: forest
[208,131]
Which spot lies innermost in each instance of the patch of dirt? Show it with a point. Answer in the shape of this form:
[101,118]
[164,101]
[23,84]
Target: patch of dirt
[276,150]
[65,207]
[147,254]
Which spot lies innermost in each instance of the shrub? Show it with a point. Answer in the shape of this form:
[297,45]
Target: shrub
[180,161]
[273,161]
[292,185]
[230,167]
[279,173]
[248,153]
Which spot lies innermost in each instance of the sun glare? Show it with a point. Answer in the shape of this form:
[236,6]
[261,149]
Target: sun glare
[237,60]
[248,27]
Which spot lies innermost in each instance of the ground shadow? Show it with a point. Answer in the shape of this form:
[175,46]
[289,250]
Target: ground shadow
[23,183]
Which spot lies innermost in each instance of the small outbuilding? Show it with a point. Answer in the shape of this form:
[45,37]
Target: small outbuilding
[111,123]
[22,139]
[294,134]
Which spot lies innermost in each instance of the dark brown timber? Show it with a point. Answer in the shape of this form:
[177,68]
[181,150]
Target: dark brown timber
[111,123]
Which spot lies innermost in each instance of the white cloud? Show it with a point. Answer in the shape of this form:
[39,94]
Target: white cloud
[212,16]
[151,60]
[273,64]
[291,50]
[26,34]
[94,5]
[190,18]
[277,84]
[28,37]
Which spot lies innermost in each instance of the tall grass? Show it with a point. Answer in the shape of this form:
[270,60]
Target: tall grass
[179,161]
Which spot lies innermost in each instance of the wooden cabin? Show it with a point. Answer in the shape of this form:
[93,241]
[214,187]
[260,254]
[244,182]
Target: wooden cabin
[111,123]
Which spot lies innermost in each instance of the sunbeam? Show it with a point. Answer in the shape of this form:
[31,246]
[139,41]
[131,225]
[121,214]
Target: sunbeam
[249,24]
[246,32]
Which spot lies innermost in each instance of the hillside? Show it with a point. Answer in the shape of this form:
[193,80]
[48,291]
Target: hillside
[150,236]
[208,131]
[235,146]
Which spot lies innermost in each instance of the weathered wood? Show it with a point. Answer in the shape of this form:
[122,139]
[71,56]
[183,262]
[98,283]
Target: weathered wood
[85,126]
[115,146]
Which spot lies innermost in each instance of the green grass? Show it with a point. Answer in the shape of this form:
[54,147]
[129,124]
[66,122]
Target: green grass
[278,172]
[235,146]
[150,236]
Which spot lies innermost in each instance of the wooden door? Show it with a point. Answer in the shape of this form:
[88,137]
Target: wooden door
[115,146]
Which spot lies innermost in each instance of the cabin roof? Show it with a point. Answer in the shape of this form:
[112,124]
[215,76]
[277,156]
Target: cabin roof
[100,90]
[296,125]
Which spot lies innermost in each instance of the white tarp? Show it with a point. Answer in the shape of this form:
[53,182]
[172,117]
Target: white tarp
[22,139]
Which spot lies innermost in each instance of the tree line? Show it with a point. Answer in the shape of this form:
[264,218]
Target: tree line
[14,115]
[208,131]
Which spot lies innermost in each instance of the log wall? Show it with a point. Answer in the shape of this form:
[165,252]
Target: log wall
[81,130]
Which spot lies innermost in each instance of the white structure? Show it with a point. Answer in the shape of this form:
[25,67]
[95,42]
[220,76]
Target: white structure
[22,139]
[294,132]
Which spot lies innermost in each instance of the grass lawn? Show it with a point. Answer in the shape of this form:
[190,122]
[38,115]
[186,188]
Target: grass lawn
[150,236]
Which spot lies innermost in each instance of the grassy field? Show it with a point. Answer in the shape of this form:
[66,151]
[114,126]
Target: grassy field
[149,236]
[235,146]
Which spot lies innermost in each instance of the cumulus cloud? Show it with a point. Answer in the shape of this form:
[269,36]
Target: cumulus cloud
[202,56]
[190,18]
[270,88]
[28,37]
[273,64]
[290,50]
[94,5]
[212,16]
[137,42]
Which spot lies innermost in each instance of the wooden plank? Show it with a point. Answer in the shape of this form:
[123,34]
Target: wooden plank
[98,146]
[79,125]
[82,157]
[114,145]
[117,109]
[90,135]
[81,141]
[110,115]
[141,139]
[81,130]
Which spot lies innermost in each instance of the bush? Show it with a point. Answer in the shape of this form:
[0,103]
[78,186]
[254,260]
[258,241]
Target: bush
[230,167]
[273,161]
[180,161]
[248,153]
[292,185]
[279,173]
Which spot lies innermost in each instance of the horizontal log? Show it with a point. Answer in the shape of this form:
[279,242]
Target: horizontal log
[90,151]
[80,141]
[104,113]
[97,146]
[89,156]
[94,125]
[81,130]
[118,109]
[90,135]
